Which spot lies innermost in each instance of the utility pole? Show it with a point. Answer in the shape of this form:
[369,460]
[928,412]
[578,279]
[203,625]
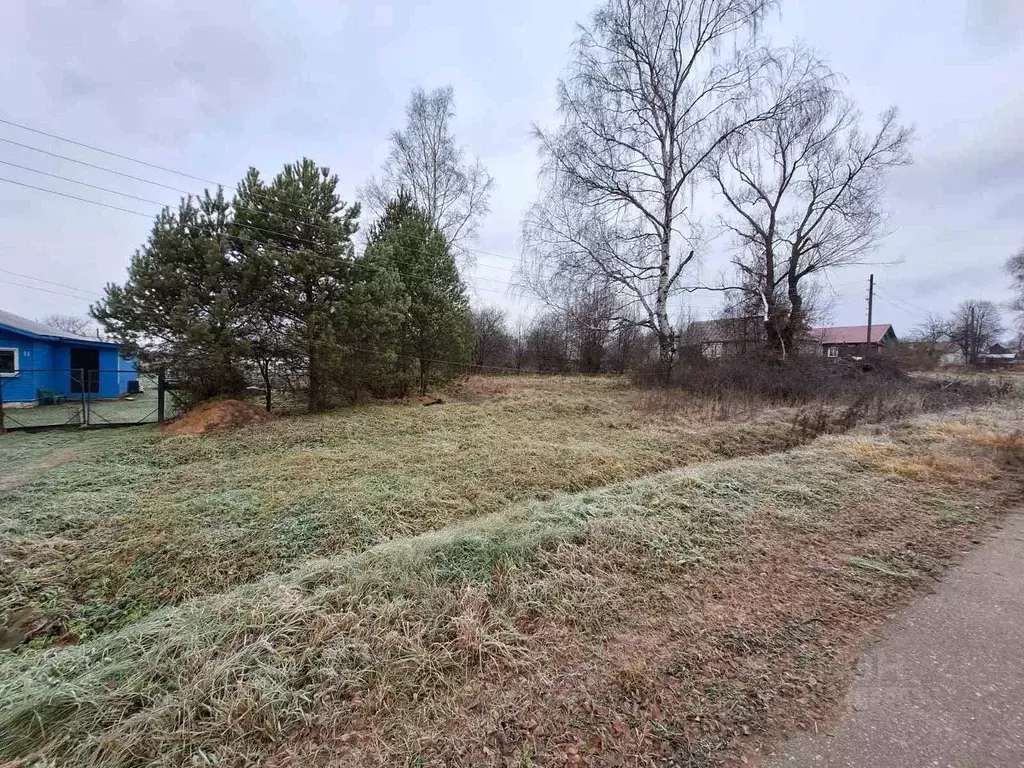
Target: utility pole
[871,306]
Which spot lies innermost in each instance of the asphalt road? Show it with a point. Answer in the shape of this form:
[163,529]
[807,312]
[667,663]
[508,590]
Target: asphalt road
[944,685]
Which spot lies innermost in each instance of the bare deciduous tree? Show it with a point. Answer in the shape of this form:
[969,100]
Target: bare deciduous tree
[654,87]
[493,341]
[1015,266]
[804,186]
[934,329]
[974,326]
[589,317]
[433,169]
[547,343]
[79,326]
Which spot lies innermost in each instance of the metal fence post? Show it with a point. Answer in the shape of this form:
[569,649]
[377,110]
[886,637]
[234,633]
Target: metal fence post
[161,381]
[85,398]
[1,405]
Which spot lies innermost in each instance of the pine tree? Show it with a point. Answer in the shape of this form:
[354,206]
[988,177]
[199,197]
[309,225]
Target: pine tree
[179,305]
[296,237]
[436,338]
[268,283]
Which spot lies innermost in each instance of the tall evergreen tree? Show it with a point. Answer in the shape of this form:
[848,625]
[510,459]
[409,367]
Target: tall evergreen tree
[268,283]
[436,337]
[296,237]
[179,305]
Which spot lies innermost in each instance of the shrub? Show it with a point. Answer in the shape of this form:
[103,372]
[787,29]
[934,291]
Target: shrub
[874,390]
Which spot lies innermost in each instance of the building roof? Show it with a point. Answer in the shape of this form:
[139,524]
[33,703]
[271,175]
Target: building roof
[32,328]
[725,329]
[849,334]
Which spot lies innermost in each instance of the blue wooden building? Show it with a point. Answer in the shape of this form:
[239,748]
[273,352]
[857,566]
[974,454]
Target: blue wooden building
[37,361]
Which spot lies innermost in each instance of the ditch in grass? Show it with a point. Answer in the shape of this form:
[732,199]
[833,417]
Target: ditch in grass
[681,616]
[134,520]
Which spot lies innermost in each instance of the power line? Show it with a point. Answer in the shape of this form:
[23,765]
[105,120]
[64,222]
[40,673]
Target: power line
[897,298]
[48,282]
[96,167]
[190,193]
[166,170]
[83,183]
[165,205]
[109,152]
[245,226]
[910,309]
[47,290]
[76,197]
[176,189]
[899,305]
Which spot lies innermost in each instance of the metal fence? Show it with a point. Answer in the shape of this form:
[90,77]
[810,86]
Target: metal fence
[47,398]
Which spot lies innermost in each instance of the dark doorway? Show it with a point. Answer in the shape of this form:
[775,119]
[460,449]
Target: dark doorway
[85,371]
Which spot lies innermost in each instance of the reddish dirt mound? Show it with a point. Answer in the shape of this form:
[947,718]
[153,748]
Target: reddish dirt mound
[217,414]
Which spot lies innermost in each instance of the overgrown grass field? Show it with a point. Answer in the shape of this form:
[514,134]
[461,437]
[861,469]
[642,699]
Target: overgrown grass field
[508,576]
[130,520]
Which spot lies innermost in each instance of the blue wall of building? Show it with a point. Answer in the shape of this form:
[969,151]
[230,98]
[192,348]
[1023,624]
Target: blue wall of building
[110,373]
[46,364]
[21,387]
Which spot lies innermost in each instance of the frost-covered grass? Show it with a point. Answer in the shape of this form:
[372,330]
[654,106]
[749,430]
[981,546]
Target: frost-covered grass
[670,614]
[128,521]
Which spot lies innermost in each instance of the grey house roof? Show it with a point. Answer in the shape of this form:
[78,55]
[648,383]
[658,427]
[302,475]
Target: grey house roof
[723,330]
[32,328]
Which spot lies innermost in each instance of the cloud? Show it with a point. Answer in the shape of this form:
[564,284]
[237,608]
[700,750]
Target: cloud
[137,66]
[994,24]
[212,88]
[979,166]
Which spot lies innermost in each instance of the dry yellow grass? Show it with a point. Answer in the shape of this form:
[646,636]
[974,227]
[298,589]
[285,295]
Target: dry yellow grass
[683,616]
[142,520]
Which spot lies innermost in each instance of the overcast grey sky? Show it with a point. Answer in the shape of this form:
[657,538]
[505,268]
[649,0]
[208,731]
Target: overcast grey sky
[212,88]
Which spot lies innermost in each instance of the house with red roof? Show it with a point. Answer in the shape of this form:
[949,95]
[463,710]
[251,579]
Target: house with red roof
[737,336]
[852,340]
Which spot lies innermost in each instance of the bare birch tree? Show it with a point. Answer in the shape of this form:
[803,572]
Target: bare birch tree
[426,162]
[653,88]
[1015,267]
[804,187]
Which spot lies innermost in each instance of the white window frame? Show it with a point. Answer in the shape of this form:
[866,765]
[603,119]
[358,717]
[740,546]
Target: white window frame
[832,351]
[17,361]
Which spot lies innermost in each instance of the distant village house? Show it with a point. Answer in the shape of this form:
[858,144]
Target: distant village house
[852,340]
[724,337]
[727,337]
[997,355]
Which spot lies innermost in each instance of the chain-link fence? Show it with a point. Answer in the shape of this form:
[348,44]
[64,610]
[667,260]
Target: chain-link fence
[43,398]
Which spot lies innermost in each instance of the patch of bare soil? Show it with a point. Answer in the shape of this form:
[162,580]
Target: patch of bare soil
[428,400]
[217,414]
[29,472]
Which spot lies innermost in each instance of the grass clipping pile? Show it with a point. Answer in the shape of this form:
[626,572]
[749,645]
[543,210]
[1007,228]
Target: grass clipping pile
[217,414]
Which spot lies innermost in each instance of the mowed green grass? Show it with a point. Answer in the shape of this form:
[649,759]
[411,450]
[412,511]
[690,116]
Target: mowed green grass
[131,520]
